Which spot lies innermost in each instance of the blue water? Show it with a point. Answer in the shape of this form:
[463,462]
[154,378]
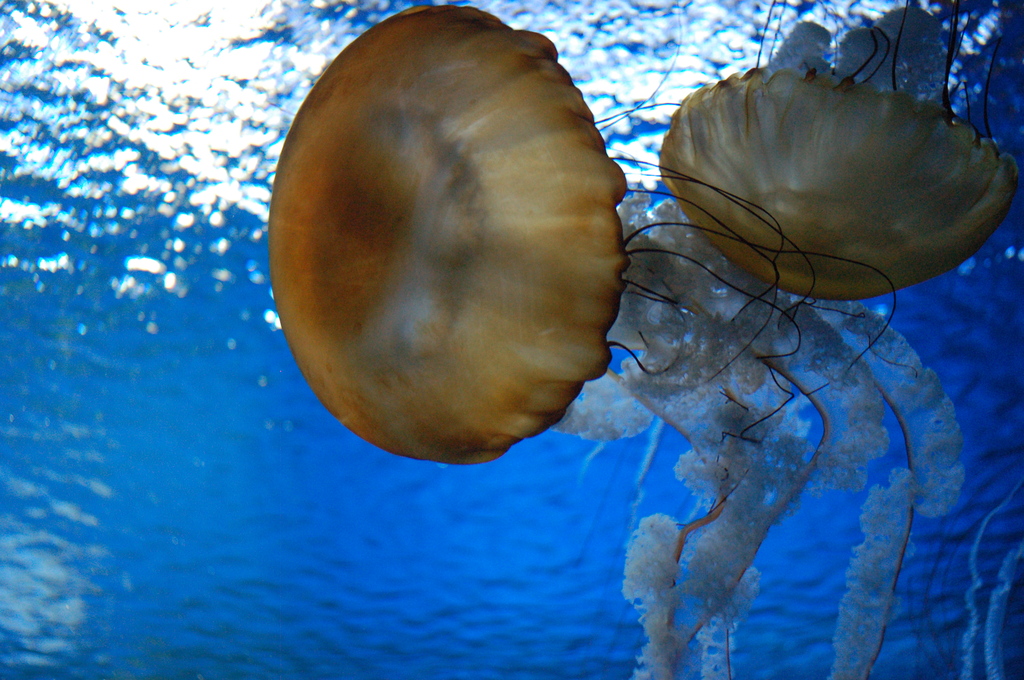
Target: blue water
[175,503]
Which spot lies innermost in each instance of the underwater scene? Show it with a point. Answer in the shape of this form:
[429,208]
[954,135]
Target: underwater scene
[176,502]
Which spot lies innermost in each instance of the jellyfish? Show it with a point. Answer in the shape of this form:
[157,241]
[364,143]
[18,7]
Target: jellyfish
[845,184]
[451,258]
[778,397]
[428,192]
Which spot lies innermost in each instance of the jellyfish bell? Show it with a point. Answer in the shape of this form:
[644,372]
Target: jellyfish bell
[839,186]
[444,248]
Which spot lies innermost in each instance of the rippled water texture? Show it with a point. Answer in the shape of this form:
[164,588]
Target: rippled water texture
[174,502]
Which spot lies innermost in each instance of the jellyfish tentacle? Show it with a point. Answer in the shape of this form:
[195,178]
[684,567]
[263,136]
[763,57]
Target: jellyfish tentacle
[867,604]
[743,485]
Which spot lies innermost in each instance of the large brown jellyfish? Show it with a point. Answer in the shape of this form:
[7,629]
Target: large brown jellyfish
[444,248]
[841,185]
